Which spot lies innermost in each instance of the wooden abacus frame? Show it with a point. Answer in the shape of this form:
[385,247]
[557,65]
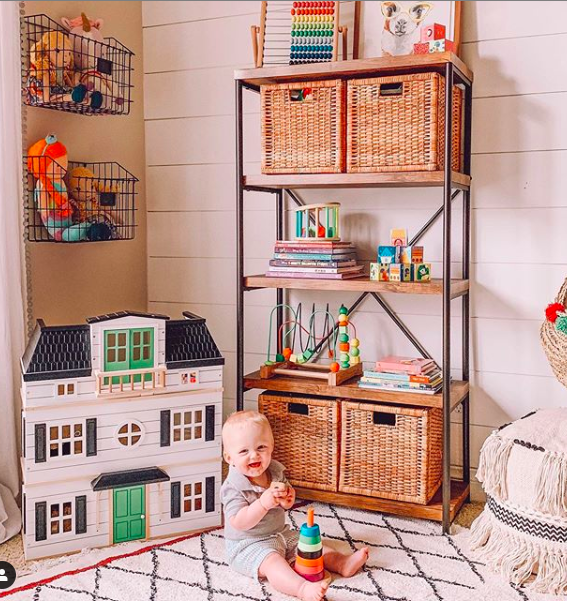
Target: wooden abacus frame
[259,34]
[311,370]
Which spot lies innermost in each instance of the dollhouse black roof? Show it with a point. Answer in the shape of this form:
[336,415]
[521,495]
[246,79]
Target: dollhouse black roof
[188,343]
[56,352]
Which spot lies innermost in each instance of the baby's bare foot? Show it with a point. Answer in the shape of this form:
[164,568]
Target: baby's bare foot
[313,591]
[354,562]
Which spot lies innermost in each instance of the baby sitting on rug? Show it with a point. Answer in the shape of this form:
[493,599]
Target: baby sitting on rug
[255,496]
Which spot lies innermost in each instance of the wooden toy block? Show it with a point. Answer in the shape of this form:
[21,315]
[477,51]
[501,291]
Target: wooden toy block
[421,48]
[422,272]
[375,271]
[441,46]
[395,272]
[405,254]
[398,237]
[388,254]
[407,272]
[436,31]
[384,273]
[417,254]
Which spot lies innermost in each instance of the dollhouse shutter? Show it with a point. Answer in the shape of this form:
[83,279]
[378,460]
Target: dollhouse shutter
[209,422]
[176,499]
[209,494]
[41,521]
[81,514]
[165,434]
[40,443]
[91,437]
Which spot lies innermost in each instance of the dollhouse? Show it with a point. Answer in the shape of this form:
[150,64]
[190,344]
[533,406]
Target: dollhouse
[121,428]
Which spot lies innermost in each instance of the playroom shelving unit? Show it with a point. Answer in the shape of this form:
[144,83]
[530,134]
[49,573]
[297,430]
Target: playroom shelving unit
[453,493]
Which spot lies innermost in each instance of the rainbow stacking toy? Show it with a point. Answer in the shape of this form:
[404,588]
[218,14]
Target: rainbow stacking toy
[309,559]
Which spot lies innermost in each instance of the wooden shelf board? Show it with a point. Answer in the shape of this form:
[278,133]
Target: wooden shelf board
[432,511]
[363,284]
[351,390]
[355,180]
[352,68]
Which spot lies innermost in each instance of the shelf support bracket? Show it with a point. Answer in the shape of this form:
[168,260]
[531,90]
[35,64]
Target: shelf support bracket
[431,221]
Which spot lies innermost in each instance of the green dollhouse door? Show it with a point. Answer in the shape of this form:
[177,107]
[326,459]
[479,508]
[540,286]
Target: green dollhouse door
[129,508]
[142,350]
[128,349]
[116,353]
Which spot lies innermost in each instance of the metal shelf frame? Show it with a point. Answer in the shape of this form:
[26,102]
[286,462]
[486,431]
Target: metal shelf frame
[450,191]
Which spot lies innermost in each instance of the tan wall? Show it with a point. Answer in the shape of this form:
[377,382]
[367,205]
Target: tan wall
[72,281]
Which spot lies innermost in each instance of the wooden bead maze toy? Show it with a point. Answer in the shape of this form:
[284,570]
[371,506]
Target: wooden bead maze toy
[296,364]
[318,222]
[309,557]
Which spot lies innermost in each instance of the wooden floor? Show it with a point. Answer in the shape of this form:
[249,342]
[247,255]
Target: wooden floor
[432,511]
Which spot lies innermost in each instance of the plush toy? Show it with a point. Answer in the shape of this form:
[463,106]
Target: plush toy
[97,90]
[84,189]
[87,40]
[51,75]
[47,162]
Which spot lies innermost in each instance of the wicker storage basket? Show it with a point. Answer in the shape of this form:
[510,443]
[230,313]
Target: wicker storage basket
[303,127]
[306,433]
[554,342]
[397,124]
[391,452]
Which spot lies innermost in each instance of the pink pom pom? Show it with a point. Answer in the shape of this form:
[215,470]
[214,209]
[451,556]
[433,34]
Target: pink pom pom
[552,311]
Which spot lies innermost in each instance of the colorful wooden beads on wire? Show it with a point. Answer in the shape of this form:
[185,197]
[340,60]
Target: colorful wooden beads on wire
[312,32]
[309,558]
[349,351]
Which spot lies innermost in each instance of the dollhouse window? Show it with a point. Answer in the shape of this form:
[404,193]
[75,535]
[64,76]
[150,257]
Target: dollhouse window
[130,434]
[193,497]
[61,518]
[187,425]
[66,440]
[64,389]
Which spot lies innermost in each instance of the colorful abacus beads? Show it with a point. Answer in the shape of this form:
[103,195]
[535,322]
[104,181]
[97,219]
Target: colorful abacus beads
[349,349]
[312,30]
[309,558]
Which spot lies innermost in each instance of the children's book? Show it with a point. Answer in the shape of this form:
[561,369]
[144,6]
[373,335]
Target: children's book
[407,365]
[395,389]
[307,263]
[315,276]
[296,269]
[315,256]
[400,377]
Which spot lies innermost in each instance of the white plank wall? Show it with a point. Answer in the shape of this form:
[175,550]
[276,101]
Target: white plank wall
[519,205]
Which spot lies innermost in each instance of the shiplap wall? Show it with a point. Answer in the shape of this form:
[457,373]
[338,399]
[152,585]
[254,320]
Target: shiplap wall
[519,210]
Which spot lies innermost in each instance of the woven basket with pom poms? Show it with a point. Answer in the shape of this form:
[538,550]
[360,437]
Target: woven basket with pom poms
[553,335]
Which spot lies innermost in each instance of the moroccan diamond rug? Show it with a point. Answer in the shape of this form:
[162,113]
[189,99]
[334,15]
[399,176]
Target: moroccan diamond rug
[410,560]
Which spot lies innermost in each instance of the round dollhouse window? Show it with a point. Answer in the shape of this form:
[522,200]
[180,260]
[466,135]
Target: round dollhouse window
[130,434]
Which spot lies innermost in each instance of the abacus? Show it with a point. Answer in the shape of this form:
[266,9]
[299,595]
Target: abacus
[314,31]
[295,33]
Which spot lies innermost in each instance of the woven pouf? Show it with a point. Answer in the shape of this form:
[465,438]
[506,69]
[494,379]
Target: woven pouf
[522,532]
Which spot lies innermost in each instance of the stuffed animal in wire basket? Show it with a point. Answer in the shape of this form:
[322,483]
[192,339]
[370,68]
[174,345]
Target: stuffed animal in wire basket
[87,40]
[85,190]
[47,162]
[51,75]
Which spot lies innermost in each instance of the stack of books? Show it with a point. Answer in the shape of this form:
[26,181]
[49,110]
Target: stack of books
[320,259]
[404,374]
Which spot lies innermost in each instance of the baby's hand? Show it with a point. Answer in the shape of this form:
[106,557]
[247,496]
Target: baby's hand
[279,489]
[288,500]
[268,499]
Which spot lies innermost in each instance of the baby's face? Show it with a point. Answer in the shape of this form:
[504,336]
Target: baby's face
[249,448]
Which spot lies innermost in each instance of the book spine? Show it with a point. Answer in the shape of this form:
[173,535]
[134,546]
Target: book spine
[400,386]
[296,269]
[312,256]
[316,276]
[389,389]
[306,263]
[412,370]
[398,377]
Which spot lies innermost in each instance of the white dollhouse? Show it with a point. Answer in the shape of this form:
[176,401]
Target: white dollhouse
[121,427]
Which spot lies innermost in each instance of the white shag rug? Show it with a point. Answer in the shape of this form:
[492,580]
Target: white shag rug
[410,560]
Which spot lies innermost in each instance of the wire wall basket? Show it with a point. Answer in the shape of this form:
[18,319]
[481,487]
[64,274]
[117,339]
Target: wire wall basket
[78,202]
[73,68]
